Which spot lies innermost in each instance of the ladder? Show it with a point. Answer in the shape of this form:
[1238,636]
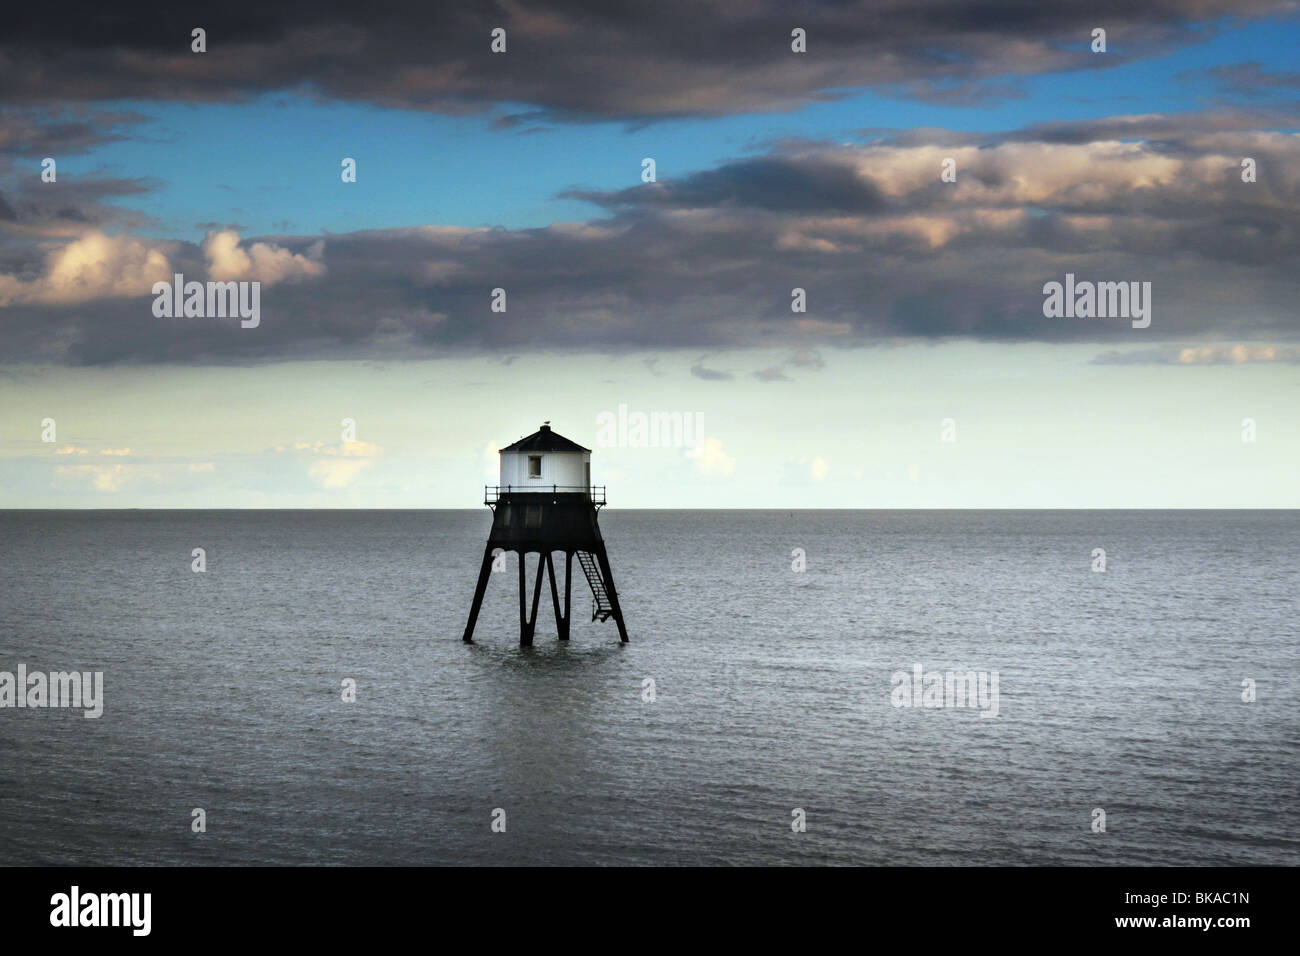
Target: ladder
[600,606]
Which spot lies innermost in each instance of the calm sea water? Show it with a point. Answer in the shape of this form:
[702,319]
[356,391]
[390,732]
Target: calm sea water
[1118,690]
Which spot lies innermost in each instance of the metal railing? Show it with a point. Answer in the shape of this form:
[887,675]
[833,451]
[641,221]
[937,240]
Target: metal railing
[492,493]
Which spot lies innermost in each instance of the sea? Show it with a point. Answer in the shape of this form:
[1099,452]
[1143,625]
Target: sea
[306,699]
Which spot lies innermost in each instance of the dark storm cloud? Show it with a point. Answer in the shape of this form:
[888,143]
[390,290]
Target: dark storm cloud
[60,131]
[774,183]
[28,206]
[34,209]
[576,60]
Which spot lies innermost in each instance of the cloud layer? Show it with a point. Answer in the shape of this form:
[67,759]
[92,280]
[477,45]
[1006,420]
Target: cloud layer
[669,58]
[882,247]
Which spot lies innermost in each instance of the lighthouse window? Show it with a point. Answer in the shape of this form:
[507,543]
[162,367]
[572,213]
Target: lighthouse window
[534,466]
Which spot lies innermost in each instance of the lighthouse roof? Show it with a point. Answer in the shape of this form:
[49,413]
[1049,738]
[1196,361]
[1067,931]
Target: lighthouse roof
[545,440]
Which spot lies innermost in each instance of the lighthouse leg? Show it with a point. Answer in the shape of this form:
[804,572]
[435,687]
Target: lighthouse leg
[568,591]
[528,622]
[483,574]
[561,623]
[605,571]
[537,595]
[525,637]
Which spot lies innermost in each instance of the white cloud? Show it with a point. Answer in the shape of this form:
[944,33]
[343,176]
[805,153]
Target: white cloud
[262,261]
[1203,355]
[1236,354]
[712,460]
[337,472]
[98,266]
[107,478]
[93,266]
[341,463]
[74,450]
[347,449]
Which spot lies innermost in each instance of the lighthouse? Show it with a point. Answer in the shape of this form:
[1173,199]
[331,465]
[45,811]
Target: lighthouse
[547,503]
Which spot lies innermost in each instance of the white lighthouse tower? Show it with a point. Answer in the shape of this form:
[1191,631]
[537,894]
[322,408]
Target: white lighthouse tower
[547,503]
[545,462]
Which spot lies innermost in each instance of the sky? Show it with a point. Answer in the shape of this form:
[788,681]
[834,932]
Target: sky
[922,372]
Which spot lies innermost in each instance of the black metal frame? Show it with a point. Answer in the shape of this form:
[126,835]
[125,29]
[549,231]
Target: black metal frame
[566,522]
[546,567]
